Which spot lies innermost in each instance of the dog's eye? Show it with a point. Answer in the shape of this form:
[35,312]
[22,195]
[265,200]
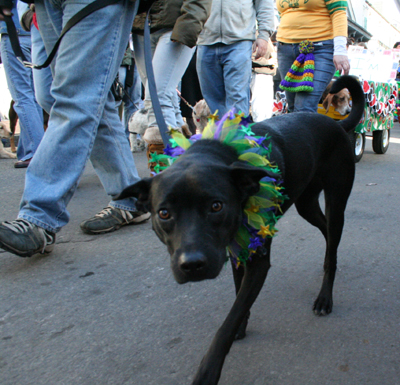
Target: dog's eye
[216,206]
[164,214]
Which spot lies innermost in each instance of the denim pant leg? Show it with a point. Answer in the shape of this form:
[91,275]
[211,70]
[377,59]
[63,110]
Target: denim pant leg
[324,71]
[83,120]
[43,78]
[138,52]
[237,75]
[211,77]
[225,74]
[176,100]
[20,84]
[167,77]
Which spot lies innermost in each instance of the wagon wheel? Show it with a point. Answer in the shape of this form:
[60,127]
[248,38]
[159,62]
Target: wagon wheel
[380,141]
[357,141]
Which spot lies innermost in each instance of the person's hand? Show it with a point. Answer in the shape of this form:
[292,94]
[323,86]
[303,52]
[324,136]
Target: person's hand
[260,48]
[342,64]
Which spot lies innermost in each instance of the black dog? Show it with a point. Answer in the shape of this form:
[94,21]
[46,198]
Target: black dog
[197,206]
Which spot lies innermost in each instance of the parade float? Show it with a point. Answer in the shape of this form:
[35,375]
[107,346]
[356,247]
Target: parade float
[377,71]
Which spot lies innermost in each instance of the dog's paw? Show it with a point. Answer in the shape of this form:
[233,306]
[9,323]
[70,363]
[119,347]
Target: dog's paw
[142,145]
[323,305]
[7,155]
[241,333]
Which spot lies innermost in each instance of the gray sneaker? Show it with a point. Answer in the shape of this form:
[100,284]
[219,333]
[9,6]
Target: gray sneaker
[111,219]
[25,239]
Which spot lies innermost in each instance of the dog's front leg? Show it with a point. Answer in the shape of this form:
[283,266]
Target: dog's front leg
[238,274]
[256,271]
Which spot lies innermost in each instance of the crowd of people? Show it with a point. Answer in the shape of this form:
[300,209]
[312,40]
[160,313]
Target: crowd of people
[225,44]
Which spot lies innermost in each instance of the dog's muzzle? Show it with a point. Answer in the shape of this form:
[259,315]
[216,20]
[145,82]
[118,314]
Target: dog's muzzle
[195,266]
[193,263]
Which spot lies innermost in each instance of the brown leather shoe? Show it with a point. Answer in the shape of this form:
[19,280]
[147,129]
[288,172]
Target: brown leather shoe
[22,163]
[153,148]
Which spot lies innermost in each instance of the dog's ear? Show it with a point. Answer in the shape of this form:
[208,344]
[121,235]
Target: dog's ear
[327,102]
[247,177]
[140,190]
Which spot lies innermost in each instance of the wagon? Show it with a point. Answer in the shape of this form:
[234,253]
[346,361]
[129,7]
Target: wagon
[377,121]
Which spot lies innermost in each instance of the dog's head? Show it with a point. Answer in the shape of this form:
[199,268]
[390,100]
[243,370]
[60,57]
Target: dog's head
[340,101]
[197,207]
[138,122]
[200,115]
[4,131]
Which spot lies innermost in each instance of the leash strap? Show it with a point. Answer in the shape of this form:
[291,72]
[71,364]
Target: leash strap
[162,126]
[12,33]
[86,11]
[185,101]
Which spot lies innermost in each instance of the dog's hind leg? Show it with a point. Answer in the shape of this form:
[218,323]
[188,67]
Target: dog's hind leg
[308,207]
[335,205]
[238,274]
[253,280]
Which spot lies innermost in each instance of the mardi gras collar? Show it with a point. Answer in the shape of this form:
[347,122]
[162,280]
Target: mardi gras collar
[261,210]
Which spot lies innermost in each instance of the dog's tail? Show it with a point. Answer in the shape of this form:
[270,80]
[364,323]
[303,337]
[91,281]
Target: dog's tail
[357,96]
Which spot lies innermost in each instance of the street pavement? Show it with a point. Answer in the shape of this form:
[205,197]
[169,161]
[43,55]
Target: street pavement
[106,310]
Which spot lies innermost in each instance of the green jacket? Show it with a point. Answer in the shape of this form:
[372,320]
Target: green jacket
[186,18]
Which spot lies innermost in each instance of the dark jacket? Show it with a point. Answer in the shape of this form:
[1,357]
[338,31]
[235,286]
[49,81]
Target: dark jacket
[186,18]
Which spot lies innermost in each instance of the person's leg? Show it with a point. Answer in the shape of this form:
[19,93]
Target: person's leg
[323,74]
[236,61]
[177,109]
[20,84]
[138,53]
[81,120]
[287,54]
[43,78]
[154,140]
[211,77]
[167,77]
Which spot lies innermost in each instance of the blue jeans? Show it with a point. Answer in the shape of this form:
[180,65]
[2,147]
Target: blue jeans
[20,84]
[84,122]
[324,70]
[41,78]
[170,60]
[225,74]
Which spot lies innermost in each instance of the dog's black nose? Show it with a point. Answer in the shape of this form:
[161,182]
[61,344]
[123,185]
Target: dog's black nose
[193,262]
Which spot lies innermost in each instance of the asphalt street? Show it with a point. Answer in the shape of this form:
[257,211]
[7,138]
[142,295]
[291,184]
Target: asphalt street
[106,310]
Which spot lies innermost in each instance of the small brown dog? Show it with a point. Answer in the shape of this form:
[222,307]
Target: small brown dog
[13,116]
[340,101]
[6,134]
